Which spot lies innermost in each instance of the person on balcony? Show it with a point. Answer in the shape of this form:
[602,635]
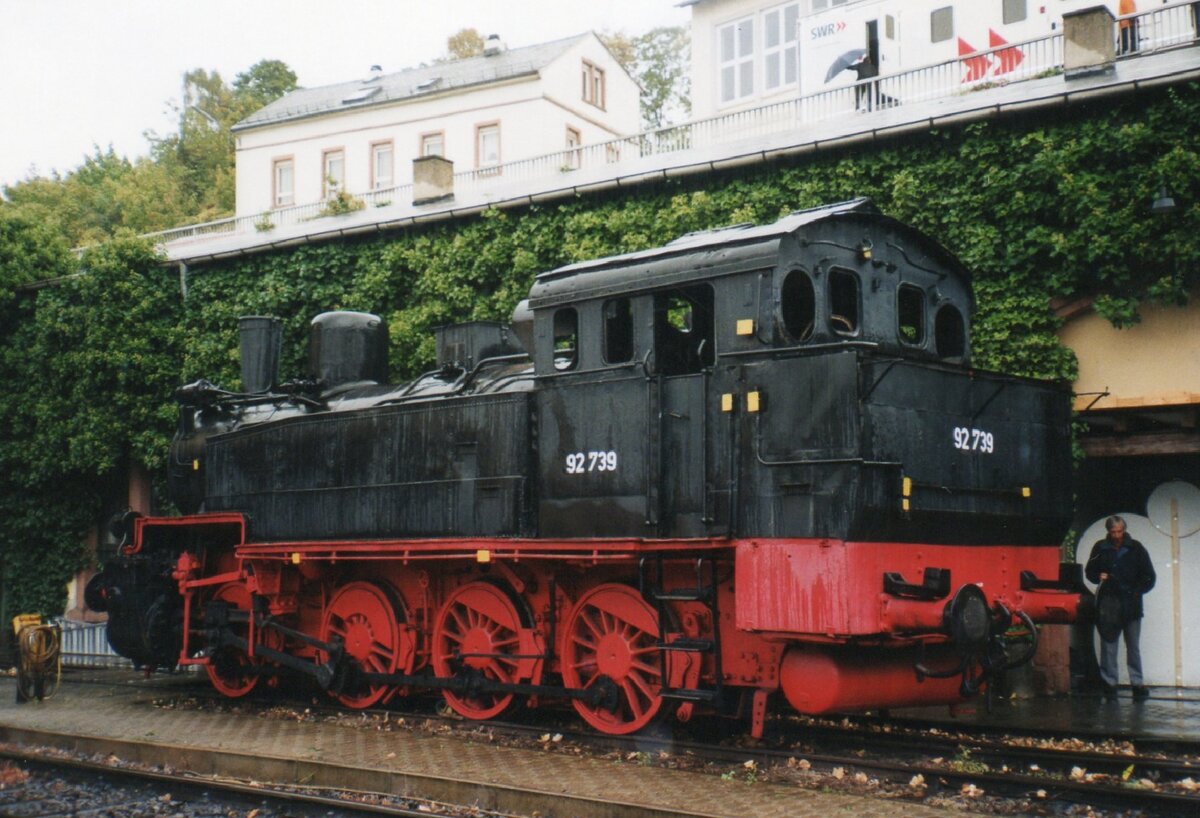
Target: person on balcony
[1129,26]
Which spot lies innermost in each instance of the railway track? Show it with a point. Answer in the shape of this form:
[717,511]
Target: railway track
[44,785]
[921,760]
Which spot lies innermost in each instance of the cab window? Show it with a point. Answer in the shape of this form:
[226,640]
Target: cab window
[618,331]
[566,339]
[950,333]
[910,314]
[843,302]
[798,305]
[683,330]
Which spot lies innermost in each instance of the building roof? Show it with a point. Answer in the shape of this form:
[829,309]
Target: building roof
[410,83]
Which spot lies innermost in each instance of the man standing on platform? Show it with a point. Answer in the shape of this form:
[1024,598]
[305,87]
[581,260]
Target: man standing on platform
[1121,566]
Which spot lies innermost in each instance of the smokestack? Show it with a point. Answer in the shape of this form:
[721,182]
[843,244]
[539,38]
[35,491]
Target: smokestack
[260,338]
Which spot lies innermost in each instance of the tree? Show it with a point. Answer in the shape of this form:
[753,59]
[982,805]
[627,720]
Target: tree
[464,43]
[261,84]
[658,61]
[188,177]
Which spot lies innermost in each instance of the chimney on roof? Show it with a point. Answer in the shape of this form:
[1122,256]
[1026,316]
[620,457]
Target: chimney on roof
[493,45]
[433,180]
[376,72]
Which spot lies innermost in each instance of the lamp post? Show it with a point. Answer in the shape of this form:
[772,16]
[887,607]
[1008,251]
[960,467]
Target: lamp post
[1163,205]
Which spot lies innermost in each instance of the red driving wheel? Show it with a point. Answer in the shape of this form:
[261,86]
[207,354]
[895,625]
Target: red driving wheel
[479,632]
[230,669]
[366,618]
[610,644]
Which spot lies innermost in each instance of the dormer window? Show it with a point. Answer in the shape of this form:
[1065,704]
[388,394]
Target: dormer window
[593,84]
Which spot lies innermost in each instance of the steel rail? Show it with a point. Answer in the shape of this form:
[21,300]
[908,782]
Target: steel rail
[258,791]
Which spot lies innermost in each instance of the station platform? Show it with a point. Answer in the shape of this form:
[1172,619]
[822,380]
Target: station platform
[122,720]
[1170,714]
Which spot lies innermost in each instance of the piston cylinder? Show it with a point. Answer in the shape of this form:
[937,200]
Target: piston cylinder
[819,680]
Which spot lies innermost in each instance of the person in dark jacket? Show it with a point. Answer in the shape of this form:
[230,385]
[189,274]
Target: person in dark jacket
[1123,561]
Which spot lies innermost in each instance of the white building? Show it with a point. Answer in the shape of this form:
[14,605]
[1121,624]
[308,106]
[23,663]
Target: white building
[749,53]
[362,136]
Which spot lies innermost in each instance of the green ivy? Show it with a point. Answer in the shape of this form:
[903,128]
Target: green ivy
[1040,209]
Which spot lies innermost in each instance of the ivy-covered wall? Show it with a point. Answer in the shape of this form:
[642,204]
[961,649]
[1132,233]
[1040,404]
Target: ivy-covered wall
[1049,207]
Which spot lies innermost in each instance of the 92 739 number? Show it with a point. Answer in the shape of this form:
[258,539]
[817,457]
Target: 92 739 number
[583,462]
[974,440]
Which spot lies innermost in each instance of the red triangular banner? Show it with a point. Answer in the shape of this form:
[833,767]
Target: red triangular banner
[977,67]
[1009,58]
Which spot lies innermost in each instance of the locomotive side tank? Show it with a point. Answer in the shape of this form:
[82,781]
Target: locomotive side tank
[756,459]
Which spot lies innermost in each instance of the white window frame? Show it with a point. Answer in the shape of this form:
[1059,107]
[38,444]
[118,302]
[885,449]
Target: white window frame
[482,131]
[786,50]
[433,143]
[738,62]
[380,180]
[281,195]
[332,182]
[595,87]
[574,142]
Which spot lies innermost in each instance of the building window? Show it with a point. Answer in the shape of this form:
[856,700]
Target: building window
[941,24]
[381,165]
[593,84]
[574,140]
[1014,11]
[487,145]
[433,144]
[735,60]
[284,183]
[817,5]
[334,167]
[780,58]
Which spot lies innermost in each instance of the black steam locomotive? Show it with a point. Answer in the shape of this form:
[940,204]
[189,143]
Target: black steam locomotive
[754,459]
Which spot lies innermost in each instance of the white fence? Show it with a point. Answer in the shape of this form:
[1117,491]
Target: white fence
[85,644]
[1166,26]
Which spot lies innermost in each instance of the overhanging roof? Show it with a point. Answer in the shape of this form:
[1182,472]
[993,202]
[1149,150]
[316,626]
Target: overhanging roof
[409,84]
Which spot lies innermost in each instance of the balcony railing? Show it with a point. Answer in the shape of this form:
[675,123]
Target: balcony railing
[1164,27]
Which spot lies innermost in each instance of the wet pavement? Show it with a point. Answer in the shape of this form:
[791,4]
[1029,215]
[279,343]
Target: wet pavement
[1170,714]
[123,721]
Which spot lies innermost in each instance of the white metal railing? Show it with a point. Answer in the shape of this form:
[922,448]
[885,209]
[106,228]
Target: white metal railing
[85,644]
[1164,27]
[268,220]
[1011,62]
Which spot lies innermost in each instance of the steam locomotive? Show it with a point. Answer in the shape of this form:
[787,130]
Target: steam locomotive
[754,460]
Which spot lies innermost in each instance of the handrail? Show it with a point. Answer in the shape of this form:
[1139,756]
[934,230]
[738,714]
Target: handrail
[1163,27]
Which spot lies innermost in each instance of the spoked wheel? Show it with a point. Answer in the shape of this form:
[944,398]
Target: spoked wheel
[366,617]
[609,645]
[479,633]
[230,669]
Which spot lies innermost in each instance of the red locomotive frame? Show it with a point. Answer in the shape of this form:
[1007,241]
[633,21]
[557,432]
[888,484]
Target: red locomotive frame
[497,621]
